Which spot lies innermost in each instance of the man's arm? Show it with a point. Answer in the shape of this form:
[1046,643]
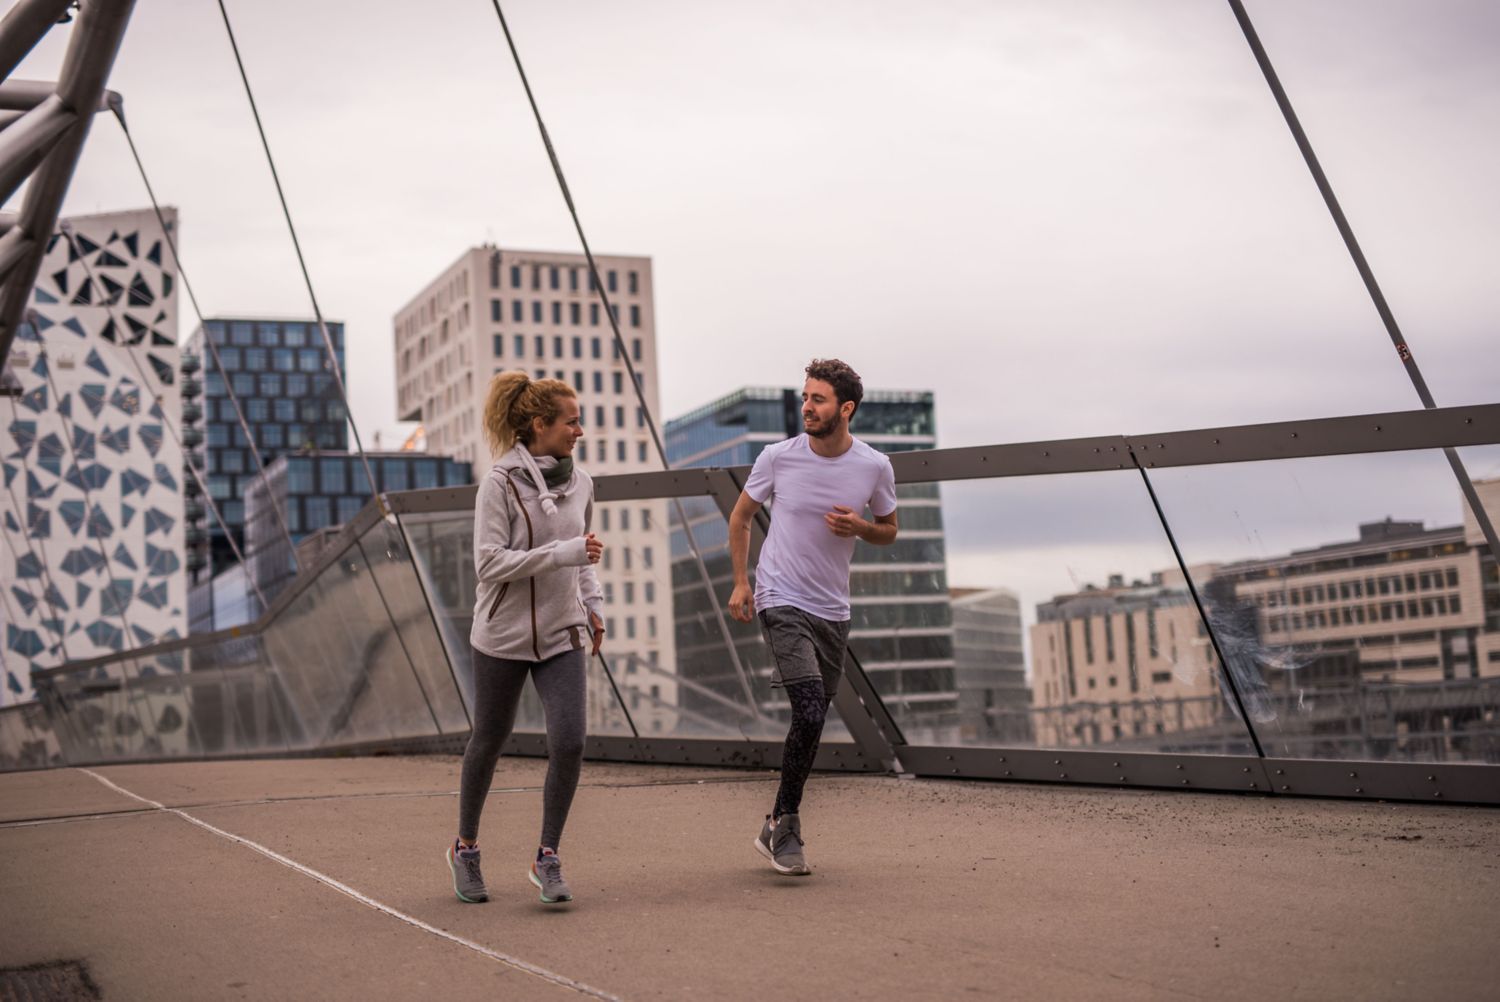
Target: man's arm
[741,600]
[843,522]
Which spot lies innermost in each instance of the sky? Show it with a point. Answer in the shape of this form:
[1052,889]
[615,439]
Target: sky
[1063,218]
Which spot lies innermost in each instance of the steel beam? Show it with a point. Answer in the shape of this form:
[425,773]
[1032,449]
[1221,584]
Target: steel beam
[23,26]
[86,67]
[23,143]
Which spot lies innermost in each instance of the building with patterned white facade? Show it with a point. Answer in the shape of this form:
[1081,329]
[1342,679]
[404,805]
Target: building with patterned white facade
[92,560]
[496,309]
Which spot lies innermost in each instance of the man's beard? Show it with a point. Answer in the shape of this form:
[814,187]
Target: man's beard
[823,431]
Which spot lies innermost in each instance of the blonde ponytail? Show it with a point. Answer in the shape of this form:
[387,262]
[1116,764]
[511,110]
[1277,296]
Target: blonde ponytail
[514,400]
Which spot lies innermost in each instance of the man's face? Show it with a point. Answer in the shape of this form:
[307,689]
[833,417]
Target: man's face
[821,413]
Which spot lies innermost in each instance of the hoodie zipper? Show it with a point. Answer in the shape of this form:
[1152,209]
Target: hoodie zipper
[531,581]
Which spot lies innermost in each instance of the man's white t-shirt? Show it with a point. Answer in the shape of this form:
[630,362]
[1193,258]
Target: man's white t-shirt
[803,564]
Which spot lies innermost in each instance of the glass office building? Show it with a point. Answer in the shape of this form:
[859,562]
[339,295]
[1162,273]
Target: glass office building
[311,492]
[283,380]
[901,622]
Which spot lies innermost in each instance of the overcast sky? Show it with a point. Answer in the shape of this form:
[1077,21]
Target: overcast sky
[1064,218]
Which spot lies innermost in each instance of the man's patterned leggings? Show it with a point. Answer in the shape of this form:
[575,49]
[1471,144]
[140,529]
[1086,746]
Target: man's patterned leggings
[809,711]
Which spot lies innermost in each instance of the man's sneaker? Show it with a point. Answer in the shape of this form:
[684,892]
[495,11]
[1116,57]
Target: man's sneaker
[468,882]
[546,874]
[781,843]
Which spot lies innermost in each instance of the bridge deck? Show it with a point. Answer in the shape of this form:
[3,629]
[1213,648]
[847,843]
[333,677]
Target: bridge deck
[922,889]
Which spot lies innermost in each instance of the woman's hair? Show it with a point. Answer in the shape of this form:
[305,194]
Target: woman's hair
[514,400]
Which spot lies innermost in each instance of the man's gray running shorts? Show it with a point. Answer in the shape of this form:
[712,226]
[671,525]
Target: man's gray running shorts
[804,646]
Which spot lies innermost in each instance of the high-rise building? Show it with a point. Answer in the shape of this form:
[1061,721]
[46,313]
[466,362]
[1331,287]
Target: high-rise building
[989,667]
[496,309]
[93,523]
[280,374]
[901,628]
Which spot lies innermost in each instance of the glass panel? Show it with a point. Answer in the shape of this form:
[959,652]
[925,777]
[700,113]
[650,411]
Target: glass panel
[1039,611]
[665,648]
[239,704]
[104,722]
[166,701]
[1349,594]
[27,740]
[386,552]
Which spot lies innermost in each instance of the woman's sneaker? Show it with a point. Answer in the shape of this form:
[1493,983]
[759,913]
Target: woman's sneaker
[546,874]
[781,843]
[468,882]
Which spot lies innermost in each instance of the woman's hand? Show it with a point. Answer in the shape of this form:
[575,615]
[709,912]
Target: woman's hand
[596,625]
[594,547]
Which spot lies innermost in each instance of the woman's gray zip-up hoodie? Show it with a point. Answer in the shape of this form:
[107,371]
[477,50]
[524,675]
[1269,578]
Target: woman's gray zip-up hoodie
[536,585]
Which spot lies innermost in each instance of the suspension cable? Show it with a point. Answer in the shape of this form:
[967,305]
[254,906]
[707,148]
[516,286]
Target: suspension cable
[213,350]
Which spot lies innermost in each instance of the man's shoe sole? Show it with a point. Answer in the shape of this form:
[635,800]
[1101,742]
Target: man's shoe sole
[546,900]
[453,866]
[790,871]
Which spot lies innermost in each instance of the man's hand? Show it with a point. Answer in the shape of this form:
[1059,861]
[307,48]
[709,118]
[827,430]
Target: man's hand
[597,626]
[742,603]
[593,547]
[843,522]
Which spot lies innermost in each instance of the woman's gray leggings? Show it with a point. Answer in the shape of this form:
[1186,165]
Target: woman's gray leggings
[561,683]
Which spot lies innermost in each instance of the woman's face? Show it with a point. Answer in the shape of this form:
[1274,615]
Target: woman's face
[556,439]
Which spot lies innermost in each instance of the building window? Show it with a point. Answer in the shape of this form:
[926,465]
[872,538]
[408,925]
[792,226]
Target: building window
[552,277]
[611,279]
[331,476]
[650,589]
[624,519]
[575,314]
[619,417]
[520,345]
[517,310]
[594,316]
[319,512]
[641,449]
[241,334]
[619,381]
[536,276]
[536,311]
[309,360]
[541,347]
[499,345]
[577,380]
[599,416]
[515,276]
[556,312]
[633,282]
[557,347]
[620,450]
[497,313]
[393,473]
[578,347]
[583,451]
[595,347]
[243,383]
[599,384]
[299,476]
[286,410]
[635,318]
[573,279]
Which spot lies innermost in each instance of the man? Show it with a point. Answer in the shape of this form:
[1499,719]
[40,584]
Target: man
[818,484]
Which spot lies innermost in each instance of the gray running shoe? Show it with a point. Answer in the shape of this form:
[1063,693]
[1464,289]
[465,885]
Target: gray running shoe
[782,845]
[468,882]
[546,874]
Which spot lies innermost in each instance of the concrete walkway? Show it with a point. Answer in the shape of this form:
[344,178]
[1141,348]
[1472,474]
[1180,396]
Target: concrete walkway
[921,889]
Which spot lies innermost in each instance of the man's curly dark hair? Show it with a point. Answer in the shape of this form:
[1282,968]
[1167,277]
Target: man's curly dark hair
[845,381]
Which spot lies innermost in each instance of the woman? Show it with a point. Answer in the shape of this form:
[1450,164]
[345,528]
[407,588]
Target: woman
[537,603]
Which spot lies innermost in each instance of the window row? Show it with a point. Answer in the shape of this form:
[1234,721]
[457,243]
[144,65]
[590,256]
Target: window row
[627,588]
[539,313]
[622,451]
[268,384]
[1391,584]
[272,334]
[560,346]
[553,276]
[1385,612]
[272,360]
[258,410]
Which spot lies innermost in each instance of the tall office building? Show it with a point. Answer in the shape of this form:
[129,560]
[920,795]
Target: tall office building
[281,375]
[93,507]
[901,627]
[496,309]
